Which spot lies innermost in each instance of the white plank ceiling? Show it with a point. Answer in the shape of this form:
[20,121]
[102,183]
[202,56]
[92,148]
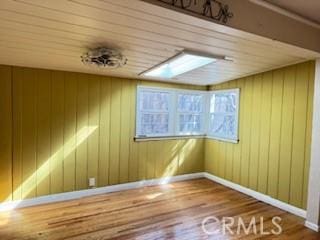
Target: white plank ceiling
[54,34]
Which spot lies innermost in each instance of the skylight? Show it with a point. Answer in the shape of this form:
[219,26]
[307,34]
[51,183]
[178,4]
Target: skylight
[179,64]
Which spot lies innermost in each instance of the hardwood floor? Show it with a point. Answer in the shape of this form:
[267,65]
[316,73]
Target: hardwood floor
[172,211]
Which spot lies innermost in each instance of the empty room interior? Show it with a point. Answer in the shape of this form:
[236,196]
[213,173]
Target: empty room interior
[159,119]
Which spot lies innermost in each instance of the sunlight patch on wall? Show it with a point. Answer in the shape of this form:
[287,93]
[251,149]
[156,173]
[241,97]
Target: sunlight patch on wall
[187,150]
[178,160]
[171,169]
[43,171]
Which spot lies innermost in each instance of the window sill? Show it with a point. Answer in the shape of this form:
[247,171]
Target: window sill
[145,139]
[223,139]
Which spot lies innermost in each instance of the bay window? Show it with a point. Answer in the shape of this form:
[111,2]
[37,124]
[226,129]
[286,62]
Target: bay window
[163,112]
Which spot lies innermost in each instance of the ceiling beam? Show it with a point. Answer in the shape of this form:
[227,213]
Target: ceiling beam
[251,18]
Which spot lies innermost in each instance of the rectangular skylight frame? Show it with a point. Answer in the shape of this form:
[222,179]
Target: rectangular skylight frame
[181,63]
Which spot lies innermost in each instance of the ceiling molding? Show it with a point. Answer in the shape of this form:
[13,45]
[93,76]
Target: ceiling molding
[286,13]
[252,18]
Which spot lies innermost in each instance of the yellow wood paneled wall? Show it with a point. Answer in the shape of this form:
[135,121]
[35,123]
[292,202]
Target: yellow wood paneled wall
[68,127]
[60,128]
[5,132]
[273,154]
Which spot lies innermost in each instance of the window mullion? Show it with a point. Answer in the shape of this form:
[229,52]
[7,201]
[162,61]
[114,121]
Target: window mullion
[174,113]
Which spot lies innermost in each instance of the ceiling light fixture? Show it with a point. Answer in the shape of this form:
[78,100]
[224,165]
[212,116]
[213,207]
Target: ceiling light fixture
[104,58]
[183,62]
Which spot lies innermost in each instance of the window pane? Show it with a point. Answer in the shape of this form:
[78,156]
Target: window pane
[224,126]
[154,124]
[190,108]
[189,123]
[223,103]
[190,127]
[154,101]
[189,118]
[149,118]
[153,114]
[223,122]
[190,103]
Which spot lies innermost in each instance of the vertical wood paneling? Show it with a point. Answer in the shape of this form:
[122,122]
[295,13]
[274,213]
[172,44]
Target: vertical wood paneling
[183,158]
[265,132]
[215,159]
[142,160]
[275,134]
[275,123]
[68,127]
[177,157]
[70,130]
[93,123]
[238,147]
[219,158]
[82,124]
[299,134]
[57,126]
[104,131]
[209,157]
[229,162]
[255,133]
[115,130]
[17,99]
[197,150]
[74,102]
[134,156]
[159,168]
[29,134]
[245,157]
[286,133]
[5,133]
[125,132]
[198,153]
[186,155]
[43,131]
[151,159]
[168,153]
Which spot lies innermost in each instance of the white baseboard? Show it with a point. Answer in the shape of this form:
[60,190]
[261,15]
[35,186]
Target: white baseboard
[312,226]
[259,196]
[90,192]
[127,186]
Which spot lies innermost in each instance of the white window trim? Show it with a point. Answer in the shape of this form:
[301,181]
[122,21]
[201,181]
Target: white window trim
[146,139]
[173,123]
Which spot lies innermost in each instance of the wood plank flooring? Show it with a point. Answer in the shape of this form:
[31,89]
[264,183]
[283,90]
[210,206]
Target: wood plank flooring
[172,211]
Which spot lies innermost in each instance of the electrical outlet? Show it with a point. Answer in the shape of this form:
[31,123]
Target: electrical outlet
[92,182]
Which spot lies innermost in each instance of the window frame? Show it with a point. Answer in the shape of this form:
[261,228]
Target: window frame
[138,112]
[203,113]
[174,114]
[237,112]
